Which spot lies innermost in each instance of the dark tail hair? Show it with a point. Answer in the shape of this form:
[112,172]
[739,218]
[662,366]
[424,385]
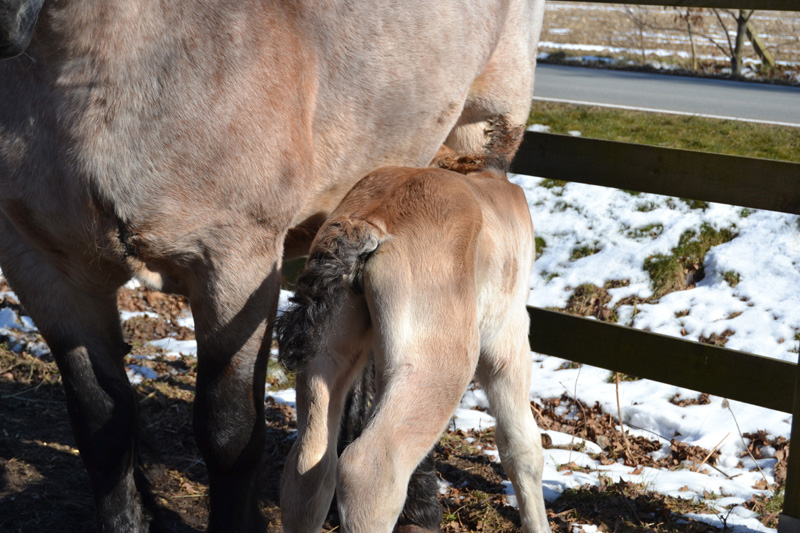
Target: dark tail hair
[335,268]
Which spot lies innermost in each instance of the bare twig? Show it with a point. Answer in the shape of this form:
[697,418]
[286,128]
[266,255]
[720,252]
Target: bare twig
[711,453]
[662,437]
[18,394]
[541,415]
[710,39]
[724,30]
[621,425]
[9,369]
[727,404]
[575,399]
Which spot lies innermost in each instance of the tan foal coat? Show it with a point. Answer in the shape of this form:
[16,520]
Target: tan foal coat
[426,270]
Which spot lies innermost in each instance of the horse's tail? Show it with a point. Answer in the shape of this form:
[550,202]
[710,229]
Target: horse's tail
[334,270]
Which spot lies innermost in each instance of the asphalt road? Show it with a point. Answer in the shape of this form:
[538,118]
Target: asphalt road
[730,99]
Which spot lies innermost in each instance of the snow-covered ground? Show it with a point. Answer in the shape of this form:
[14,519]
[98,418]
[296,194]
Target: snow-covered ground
[759,314]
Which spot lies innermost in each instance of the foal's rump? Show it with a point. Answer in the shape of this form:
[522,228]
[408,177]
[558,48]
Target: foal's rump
[399,243]
[432,252]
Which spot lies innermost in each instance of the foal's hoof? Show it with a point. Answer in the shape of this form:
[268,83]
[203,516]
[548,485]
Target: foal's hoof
[411,528]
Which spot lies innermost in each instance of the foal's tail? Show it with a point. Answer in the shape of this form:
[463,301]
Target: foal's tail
[334,270]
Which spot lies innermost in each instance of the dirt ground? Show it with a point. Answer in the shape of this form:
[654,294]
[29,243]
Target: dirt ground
[43,486]
[655,28]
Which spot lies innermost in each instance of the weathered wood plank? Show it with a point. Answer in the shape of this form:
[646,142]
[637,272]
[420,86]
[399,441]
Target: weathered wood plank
[767,5]
[702,367]
[786,522]
[790,519]
[742,181]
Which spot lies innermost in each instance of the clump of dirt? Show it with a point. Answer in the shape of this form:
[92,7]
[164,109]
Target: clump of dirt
[768,507]
[141,329]
[474,499]
[717,339]
[682,268]
[779,450]
[167,306]
[591,423]
[702,399]
[623,507]
[591,300]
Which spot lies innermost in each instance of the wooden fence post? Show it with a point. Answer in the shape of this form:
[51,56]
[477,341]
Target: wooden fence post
[789,521]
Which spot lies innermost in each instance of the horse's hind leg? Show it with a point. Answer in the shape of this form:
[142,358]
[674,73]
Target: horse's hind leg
[499,100]
[81,326]
[504,372]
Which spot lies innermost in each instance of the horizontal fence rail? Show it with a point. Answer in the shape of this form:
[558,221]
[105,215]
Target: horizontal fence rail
[702,367]
[766,5]
[735,180]
[742,181]
[746,182]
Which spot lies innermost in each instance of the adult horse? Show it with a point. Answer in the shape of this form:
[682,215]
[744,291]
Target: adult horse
[181,143]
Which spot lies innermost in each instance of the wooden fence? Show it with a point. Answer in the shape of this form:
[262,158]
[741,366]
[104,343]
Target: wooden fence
[741,181]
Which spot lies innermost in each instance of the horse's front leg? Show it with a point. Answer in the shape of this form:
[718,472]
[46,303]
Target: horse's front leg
[234,299]
[80,322]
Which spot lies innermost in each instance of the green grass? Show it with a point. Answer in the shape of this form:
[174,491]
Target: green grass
[541,244]
[649,231]
[668,272]
[278,378]
[584,251]
[612,377]
[672,131]
[552,184]
[733,278]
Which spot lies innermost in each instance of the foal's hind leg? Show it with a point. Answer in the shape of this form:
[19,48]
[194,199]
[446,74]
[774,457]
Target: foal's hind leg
[81,326]
[422,511]
[417,396]
[504,372]
[309,475]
